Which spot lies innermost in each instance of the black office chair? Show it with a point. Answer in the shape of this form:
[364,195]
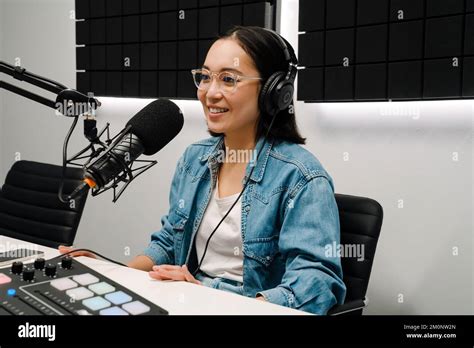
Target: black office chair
[361,221]
[30,209]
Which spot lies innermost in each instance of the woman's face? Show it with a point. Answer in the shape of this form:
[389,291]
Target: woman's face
[241,107]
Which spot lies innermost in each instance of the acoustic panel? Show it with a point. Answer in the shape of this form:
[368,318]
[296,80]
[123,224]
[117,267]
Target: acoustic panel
[146,48]
[372,50]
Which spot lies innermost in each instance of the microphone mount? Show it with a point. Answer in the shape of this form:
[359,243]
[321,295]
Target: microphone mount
[129,170]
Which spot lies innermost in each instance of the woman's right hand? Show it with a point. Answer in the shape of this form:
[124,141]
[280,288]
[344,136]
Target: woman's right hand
[65,249]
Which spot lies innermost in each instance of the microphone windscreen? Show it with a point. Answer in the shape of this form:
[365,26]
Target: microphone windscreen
[157,124]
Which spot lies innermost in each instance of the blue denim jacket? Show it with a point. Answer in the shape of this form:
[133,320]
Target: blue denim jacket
[289,216]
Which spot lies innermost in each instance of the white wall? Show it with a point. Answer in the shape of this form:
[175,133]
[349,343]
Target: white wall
[404,151]
[41,36]
[397,151]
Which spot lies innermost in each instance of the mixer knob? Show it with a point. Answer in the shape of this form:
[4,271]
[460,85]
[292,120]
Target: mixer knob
[39,263]
[28,274]
[50,270]
[17,267]
[66,262]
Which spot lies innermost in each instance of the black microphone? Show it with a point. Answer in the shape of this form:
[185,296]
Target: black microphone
[147,132]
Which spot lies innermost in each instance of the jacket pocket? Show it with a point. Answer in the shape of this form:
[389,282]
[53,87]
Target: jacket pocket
[179,220]
[263,250]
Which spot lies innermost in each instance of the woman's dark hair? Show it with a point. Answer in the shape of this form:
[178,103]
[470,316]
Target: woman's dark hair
[267,54]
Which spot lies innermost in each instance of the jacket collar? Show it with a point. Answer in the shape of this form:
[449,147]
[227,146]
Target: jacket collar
[257,175]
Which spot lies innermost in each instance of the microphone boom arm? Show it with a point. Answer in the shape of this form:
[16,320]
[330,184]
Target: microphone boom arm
[65,97]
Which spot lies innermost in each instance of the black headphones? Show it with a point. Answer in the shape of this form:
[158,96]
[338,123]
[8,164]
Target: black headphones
[277,92]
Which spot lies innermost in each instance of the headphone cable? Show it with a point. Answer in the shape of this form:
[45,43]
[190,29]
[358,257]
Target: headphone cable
[240,195]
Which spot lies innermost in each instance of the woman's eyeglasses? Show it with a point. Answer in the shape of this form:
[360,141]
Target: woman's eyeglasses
[226,80]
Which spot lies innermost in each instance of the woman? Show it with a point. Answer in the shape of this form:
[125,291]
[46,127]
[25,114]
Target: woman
[271,245]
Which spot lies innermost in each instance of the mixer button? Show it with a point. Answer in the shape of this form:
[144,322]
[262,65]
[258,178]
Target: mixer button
[4,279]
[136,308]
[96,303]
[63,284]
[113,311]
[118,297]
[78,294]
[101,288]
[85,279]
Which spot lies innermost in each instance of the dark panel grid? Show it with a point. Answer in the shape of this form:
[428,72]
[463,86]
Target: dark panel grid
[82,32]
[310,84]
[311,15]
[401,10]
[441,79]
[405,80]
[146,48]
[114,30]
[371,50]
[371,44]
[113,8]
[470,5]
[468,78]
[371,82]
[312,49]
[339,46]
[372,11]
[338,84]
[253,14]
[340,13]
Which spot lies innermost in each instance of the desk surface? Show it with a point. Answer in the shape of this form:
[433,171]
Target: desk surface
[179,298]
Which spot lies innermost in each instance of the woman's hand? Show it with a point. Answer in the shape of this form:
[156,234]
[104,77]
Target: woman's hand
[171,272]
[261,298]
[65,249]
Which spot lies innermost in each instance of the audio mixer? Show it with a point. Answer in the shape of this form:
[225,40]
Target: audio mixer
[66,287]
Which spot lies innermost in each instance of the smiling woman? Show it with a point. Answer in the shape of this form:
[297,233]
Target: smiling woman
[230,101]
[257,227]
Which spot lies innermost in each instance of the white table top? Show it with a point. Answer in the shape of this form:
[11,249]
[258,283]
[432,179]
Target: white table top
[177,297]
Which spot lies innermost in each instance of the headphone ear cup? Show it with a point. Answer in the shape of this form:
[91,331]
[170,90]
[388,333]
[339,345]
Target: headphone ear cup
[284,95]
[268,99]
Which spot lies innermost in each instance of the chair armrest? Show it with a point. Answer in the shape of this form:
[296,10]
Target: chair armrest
[349,307]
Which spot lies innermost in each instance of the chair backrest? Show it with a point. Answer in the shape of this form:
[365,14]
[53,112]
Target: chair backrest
[361,221]
[30,208]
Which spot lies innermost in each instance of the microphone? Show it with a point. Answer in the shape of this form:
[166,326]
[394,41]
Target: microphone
[151,129]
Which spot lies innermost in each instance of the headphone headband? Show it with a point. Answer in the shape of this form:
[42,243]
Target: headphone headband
[290,55]
[277,92]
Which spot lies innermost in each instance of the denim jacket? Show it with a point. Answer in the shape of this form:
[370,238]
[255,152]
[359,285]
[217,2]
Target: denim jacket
[289,218]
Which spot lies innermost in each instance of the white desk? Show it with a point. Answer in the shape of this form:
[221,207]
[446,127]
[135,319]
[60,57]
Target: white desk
[179,298]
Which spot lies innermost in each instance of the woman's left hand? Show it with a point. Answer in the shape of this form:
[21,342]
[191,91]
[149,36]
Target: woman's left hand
[172,272]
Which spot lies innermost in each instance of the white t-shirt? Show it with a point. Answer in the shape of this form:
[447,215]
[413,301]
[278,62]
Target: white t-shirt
[224,257]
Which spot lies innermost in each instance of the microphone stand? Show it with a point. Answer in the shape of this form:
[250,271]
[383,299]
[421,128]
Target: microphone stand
[69,102]
[72,103]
